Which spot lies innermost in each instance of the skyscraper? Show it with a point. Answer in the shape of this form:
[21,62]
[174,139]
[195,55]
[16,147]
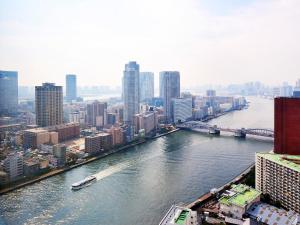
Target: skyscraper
[131,94]
[287,126]
[146,86]
[97,114]
[169,86]
[8,92]
[48,104]
[71,88]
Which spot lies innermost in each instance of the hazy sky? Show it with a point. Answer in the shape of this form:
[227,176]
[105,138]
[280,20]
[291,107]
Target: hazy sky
[208,41]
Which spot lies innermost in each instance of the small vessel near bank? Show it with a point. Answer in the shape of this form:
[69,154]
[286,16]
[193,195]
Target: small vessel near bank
[84,183]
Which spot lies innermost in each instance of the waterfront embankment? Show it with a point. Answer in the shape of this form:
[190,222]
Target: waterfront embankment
[65,169]
[208,196]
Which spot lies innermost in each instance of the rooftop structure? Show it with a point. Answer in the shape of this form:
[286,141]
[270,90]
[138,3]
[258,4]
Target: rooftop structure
[179,215]
[235,202]
[267,214]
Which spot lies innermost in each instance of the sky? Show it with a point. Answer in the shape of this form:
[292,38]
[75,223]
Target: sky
[208,41]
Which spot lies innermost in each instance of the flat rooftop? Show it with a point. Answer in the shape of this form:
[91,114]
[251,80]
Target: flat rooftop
[290,161]
[242,196]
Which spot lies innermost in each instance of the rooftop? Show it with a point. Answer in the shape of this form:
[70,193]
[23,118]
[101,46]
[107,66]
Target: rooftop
[242,196]
[288,161]
[271,215]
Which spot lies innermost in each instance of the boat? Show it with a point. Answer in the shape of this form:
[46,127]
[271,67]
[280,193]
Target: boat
[83,183]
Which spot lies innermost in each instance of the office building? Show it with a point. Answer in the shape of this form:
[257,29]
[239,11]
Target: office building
[180,215]
[8,93]
[279,176]
[211,93]
[236,201]
[99,142]
[71,87]
[131,96]
[146,86]
[111,118]
[169,85]
[13,165]
[182,109]
[48,105]
[59,151]
[74,117]
[97,114]
[287,126]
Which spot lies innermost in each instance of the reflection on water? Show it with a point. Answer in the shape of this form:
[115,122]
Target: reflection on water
[137,186]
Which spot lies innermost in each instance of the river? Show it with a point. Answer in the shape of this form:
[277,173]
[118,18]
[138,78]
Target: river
[138,185]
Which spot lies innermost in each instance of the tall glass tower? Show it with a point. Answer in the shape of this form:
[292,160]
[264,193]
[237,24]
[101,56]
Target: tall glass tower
[8,93]
[71,88]
[146,86]
[169,86]
[131,96]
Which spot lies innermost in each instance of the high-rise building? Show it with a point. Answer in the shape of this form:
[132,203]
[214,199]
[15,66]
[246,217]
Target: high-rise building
[287,126]
[97,114]
[59,151]
[286,90]
[182,109]
[146,86]
[71,88]
[131,94]
[8,93]
[48,104]
[279,176]
[169,85]
[146,122]
[211,93]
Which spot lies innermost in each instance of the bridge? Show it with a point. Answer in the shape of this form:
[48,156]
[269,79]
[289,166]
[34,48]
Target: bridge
[215,130]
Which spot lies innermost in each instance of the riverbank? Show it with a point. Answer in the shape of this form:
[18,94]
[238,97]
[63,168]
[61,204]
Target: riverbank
[65,169]
[209,196]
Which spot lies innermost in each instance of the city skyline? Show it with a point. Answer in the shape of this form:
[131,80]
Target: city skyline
[207,41]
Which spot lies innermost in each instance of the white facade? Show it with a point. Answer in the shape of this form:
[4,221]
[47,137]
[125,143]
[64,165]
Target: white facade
[13,165]
[182,109]
[146,86]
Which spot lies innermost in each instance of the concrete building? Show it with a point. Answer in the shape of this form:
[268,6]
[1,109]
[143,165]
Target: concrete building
[235,202]
[146,122]
[34,138]
[13,165]
[131,92]
[169,86]
[287,126]
[74,117]
[117,135]
[8,93]
[97,114]
[180,215]
[48,105]
[279,176]
[71,87]
[98,142]
[182,109]
[146,86]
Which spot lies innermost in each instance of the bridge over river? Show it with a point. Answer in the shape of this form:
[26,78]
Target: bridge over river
[216,130]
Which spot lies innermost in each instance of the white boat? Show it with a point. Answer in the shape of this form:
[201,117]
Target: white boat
[83,183]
